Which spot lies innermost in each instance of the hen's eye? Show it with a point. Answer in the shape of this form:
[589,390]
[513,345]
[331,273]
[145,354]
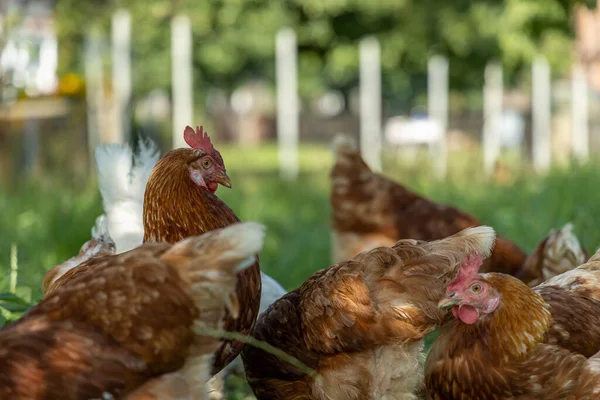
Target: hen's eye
[476,288]
[206,163]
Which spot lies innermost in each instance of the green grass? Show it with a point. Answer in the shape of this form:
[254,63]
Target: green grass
[49,220]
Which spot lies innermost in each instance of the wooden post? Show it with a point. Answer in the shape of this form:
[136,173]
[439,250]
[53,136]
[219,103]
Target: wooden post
[579,115]
[541,103]
[121,75]
[94,78]
[181,77]
[370,102]
[492,113]
[14,268]
[437,108]
[287,102]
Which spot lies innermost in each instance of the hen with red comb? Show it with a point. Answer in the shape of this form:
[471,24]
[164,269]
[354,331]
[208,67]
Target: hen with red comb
[199,139]
[180,202]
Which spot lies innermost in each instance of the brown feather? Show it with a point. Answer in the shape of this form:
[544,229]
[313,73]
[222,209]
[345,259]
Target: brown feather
[174,209]
[117,321]
[558,252]
[359,322]
[504,355]
[370,208]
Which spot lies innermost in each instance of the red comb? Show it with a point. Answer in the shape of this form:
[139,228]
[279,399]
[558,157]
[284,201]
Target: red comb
[198,139]
[467,270]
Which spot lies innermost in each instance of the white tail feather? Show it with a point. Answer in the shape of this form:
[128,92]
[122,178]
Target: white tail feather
[122,184]
[101,228]
[145,159]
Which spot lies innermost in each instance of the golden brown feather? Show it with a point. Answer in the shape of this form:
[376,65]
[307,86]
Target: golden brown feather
[360,323]
[512,351]
[176,208]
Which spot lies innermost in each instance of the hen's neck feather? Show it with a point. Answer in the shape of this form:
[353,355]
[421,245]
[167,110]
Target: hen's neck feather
[510,333]
[175,208]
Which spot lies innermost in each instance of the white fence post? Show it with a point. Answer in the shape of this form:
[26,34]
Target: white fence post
[579,114]
[370,102]
[121,74]
[286,68]
[541,103]
[94,78]
[181,77]
[492,113]
[437,108]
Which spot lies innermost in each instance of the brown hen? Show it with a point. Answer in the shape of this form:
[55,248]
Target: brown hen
[558,252]
[118,321]
[510,341]
[360,324]
[179,202]
[370,210]
[101,244]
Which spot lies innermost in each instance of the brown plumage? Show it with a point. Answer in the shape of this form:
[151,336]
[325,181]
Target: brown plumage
[511,341]
[117,321]
[360,324]
[370,210]
[558,252]
[574,300]
[176,207]
[98,246]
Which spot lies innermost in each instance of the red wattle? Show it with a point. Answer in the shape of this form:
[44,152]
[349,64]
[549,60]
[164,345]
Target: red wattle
[468,314]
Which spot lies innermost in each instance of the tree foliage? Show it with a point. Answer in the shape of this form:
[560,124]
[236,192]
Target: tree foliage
[234,40]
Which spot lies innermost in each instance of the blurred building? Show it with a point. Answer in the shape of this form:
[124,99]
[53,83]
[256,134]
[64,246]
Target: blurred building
[29,55]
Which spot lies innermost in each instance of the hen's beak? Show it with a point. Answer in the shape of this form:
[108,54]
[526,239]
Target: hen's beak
[448,302]
[224,180]
[233,305]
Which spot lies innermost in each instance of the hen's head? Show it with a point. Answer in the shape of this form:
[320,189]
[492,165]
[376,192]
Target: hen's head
[470,296]
[206,167]
[202,163]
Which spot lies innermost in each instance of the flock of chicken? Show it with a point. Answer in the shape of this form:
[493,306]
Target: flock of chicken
[138,313]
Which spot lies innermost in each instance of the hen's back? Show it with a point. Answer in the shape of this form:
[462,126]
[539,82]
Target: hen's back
[574,298]
[371,210]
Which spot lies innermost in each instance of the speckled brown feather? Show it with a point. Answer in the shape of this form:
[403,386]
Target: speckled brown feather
[95,247]
[99,324]
[42,358]
[558,252]
[175,208]
[344,317]
[370,210]
[116,321]
[229,250]
[574,300]
[122,296]
[504,356]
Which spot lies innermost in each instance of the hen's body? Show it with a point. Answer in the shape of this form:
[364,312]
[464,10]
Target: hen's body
[534,345]
[116,321]
[359,324]
[370,210]
[557,253]
[574,301]
[176,208]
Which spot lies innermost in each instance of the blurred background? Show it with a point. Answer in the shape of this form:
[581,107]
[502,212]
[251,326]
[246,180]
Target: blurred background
[489,105]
